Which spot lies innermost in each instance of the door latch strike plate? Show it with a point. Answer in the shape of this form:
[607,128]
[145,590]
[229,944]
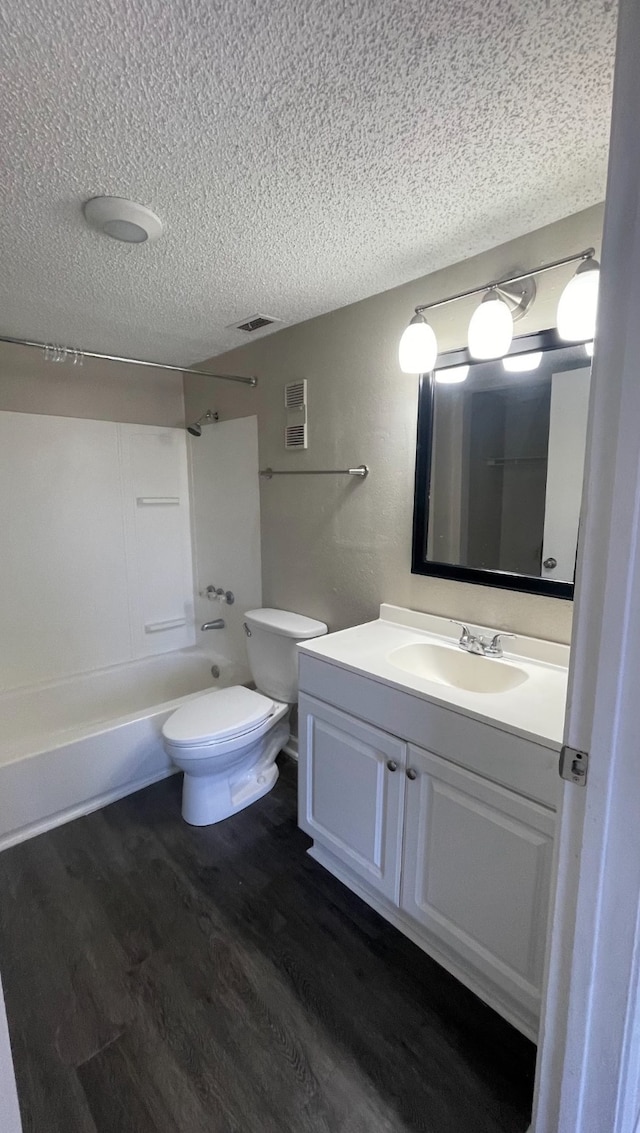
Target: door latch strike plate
[574,765]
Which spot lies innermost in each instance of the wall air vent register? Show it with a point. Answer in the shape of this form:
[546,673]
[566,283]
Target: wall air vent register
[295,403]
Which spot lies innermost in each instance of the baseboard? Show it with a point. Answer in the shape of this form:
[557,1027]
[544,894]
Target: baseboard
[96,803]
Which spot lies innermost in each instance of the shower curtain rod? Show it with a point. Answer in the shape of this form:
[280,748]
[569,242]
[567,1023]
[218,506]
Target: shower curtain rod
[252,381]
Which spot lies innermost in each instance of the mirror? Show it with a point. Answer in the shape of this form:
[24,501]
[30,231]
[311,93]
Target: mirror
[499,467]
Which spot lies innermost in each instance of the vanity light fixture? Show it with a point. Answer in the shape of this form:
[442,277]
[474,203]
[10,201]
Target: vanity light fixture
[578,304]
[451,375]
[418,348]
[522,363]
[491,327]
[505,301]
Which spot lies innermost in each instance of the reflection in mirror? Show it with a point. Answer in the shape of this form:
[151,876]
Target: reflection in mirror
[500,467]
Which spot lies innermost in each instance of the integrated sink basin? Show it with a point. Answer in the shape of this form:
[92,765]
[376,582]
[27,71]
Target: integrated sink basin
[453,667]
[411,652]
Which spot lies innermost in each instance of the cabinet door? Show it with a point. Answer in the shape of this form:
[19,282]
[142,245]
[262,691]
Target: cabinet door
[476,874]
[351,792]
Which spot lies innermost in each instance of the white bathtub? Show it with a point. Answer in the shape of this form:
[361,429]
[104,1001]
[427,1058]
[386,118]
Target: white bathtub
[71,746]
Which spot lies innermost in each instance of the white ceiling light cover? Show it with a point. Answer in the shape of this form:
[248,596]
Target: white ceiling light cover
[490,328]
[122,219]
[418,347]
[522,363]
[578,304]
[451,375]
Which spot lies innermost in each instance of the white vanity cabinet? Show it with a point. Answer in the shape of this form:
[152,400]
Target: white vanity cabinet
[476,873]
[457,861]
[351,793]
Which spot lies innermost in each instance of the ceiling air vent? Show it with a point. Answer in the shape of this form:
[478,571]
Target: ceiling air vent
[254,322]
[295,403]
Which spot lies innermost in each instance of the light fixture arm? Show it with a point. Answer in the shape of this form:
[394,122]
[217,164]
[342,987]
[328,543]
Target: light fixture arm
[503,285]
[517,296]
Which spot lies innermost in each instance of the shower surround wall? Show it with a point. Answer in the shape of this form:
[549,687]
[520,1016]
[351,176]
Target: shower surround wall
[335,548]
[96,567]
[97,613]
[225,515]
[96,591]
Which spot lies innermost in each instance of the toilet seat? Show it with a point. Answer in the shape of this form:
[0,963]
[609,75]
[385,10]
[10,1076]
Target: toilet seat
[218,718]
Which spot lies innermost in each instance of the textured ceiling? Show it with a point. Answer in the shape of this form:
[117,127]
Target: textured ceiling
[302,155]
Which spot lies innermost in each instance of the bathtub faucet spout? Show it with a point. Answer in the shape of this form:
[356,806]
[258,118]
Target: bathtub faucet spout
[217,624]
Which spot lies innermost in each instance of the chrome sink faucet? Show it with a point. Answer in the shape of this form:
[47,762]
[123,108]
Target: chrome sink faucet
[477,643]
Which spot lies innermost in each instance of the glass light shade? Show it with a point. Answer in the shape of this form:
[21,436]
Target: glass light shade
[451,375]
[490,328]
[522,363]
[578,304]
[418,347]
[589,349]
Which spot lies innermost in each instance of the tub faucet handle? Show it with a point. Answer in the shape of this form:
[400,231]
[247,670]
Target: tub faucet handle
[218,594]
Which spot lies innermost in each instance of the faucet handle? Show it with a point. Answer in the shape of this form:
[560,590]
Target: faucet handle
[495,646]
[466,632]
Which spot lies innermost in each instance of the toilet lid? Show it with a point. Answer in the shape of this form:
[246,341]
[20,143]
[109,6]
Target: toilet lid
[217,716]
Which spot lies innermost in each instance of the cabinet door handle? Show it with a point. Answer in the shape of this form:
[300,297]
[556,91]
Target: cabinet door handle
[411,774]
[392,765]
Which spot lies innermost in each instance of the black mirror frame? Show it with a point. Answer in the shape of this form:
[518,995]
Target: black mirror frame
[525,344]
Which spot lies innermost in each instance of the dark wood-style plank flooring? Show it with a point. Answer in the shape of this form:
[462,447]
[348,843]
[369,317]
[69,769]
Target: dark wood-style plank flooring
[163,979]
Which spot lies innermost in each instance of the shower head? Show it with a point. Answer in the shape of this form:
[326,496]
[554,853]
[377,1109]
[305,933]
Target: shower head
[206,419]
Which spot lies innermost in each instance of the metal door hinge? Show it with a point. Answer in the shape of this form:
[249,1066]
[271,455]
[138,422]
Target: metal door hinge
[574,765]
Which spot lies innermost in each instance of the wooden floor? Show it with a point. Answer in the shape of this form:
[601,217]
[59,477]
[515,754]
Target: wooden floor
[163,979]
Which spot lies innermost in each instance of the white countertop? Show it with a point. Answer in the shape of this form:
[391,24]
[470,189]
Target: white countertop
[534,710]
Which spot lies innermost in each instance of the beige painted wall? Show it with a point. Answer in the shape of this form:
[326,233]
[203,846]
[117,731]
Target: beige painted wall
[334,548]
[100,391]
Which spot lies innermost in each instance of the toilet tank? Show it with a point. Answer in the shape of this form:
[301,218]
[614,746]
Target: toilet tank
[272,637]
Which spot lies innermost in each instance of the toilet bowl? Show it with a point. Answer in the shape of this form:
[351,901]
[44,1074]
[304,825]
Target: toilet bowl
[226,741]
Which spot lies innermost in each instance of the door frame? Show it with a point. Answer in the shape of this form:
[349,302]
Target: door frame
[588,1070]
[9,1108]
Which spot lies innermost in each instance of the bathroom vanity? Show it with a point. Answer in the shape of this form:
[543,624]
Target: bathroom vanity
[429,783]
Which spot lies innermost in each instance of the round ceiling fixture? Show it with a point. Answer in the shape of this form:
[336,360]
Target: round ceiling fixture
[122,219]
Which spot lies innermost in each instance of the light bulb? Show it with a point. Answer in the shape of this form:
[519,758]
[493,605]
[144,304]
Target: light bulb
[418,348]
[490,328]
[451,375]
[521,363]
[589,349]
[578,304]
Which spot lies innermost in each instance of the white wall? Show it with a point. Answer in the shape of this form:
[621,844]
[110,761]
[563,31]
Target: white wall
[334,548]
[98,390]
[86,571]
[225,508]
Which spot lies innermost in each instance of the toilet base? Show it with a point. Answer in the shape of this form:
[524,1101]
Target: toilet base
[207,799]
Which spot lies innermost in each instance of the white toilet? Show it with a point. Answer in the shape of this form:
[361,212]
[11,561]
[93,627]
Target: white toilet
[226,742]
